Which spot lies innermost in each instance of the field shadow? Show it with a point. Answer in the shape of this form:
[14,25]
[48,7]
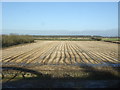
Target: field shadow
[102,72]
[95,78]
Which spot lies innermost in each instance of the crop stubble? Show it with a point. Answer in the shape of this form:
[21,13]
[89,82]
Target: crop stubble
[61,53]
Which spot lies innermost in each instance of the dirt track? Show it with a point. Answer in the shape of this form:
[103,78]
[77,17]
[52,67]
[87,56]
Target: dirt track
[61,52]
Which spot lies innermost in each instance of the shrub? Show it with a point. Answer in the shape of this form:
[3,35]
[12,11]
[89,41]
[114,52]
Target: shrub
[96,38]
[9,40]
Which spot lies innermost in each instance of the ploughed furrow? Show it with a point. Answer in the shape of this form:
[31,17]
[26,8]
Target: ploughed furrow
[47,58]
[47,55]
[35,56]
[53,56]
[108,49]
[44,53]
[14,56]
[73,57]
[62,60]
[83,56]
[21,56]
[112,55]
[56,55]
[30,57]
[111,59]
[98,46]
[24,59]
[69,58]
[103,58]
[76,55]
[99,60]
[63,52]
[88,56]
[18,56]
[77,52]
[18,50]
[65,56]
[95,59]
[79,59]
[59,54]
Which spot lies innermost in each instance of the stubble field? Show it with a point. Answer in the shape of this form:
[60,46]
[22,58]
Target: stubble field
[61,59]
[61,53]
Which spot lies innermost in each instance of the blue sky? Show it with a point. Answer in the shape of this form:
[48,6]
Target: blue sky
[65,18]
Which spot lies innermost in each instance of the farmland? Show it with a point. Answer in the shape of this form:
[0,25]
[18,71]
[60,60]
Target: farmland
[62,52]
[63,59]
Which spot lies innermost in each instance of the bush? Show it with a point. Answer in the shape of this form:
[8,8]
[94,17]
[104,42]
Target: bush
[96,38]
[9,40]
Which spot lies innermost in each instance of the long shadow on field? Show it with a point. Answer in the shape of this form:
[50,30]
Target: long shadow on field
[19,77]
[103,73]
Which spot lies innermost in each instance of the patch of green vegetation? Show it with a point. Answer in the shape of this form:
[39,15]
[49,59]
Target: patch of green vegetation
[110,39]
[68,38]
[96,38]
[10,40]
[55,39]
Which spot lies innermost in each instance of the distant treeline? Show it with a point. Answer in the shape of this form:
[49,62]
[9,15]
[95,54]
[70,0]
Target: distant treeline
[73,36]
[64,36]
[10,40]
[68,38]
